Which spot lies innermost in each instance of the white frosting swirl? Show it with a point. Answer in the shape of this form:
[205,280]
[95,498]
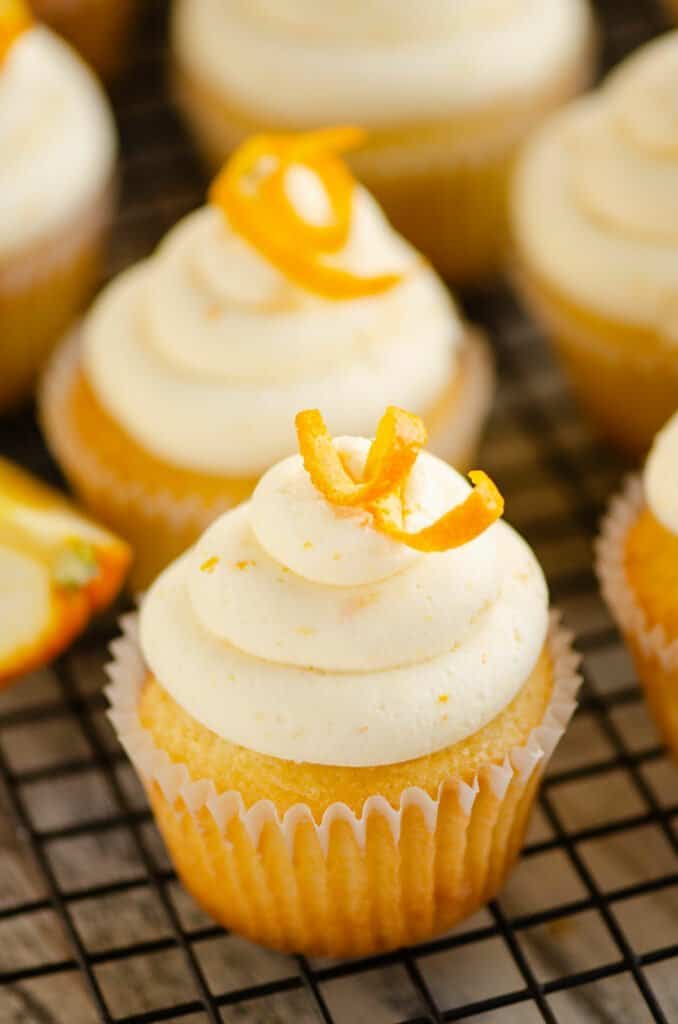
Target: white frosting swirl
[660,478]
[378,62]
[57,139]
[295,629]
[597,194]
[206,352]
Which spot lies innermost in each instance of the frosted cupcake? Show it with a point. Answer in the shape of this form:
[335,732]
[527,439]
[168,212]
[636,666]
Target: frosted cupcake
[596,227]
[57,156]
[342,698]
[447,91]
[638,569]
[99,29]
[180,388]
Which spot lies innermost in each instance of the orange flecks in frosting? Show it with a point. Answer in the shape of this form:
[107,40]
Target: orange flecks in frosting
[400,437]
[210,564]
[15,19]
[245,564]
[443,698]
[252,192]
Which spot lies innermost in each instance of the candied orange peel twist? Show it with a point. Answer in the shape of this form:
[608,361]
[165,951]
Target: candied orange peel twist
[399,439]
[15,19]
[252,192]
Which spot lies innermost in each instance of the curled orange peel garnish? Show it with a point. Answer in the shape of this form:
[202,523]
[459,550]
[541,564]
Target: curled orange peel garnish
[400,437]
[15,19]
[251,190]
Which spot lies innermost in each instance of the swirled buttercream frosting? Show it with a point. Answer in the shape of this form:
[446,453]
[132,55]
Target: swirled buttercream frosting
[296,628]
[597,194]
[384,62]
[660,477]
[57,139]
[205,352]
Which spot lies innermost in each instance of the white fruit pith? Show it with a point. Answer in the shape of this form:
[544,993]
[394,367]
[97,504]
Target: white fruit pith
[25,601]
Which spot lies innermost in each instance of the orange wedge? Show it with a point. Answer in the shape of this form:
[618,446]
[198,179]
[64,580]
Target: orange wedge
[57,568]
[15,19]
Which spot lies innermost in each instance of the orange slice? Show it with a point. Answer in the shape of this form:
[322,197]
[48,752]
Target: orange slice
[57,569]
[251,190]
[15,19]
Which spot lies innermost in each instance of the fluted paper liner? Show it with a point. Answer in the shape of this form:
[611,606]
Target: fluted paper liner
[468,835]
[654,654]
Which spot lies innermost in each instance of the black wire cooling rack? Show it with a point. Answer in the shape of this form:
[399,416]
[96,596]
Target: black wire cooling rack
[94,926]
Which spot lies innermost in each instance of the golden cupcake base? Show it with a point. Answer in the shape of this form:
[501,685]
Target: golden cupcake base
[41,293]
[625,377]
[341,861]
[637,563]
[161,509]
[444,186]
[99,29]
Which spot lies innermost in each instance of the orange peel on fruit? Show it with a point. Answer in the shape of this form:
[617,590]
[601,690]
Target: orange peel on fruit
[400,437]
[15,19]
[57,569]
[251,190]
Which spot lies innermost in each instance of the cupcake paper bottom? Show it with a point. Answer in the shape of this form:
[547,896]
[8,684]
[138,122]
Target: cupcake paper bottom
[43,290]
[349,884]
[654,654]
[625,377]
[444,186]
[98,29]
[161,511]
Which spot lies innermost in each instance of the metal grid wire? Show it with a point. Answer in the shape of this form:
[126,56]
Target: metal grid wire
[93,924]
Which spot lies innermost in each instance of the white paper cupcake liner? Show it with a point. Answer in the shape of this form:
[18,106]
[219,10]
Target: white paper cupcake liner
[623,512]
[127,673]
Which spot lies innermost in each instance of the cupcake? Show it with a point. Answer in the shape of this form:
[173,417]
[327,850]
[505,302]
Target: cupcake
[447,91]
[595,211]
[99,29]
[180,387]
[341,700]
[637,562]
[57,569]
[57,158]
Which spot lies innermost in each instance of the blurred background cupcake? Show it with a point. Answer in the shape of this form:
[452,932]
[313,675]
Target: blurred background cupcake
[99,29]
[288,289]
[637,560]
[446,90]
[341,700]
[57,162]
[596,227]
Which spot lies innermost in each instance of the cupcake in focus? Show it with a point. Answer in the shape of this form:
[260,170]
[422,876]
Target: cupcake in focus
[99,29]
[289,288]
[342,698]
[637,561]
[596,229]
[57,159]
[447,90]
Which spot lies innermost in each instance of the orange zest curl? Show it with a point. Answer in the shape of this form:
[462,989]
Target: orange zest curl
[459,526]
[400,438]
[251,190]
[15,19]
